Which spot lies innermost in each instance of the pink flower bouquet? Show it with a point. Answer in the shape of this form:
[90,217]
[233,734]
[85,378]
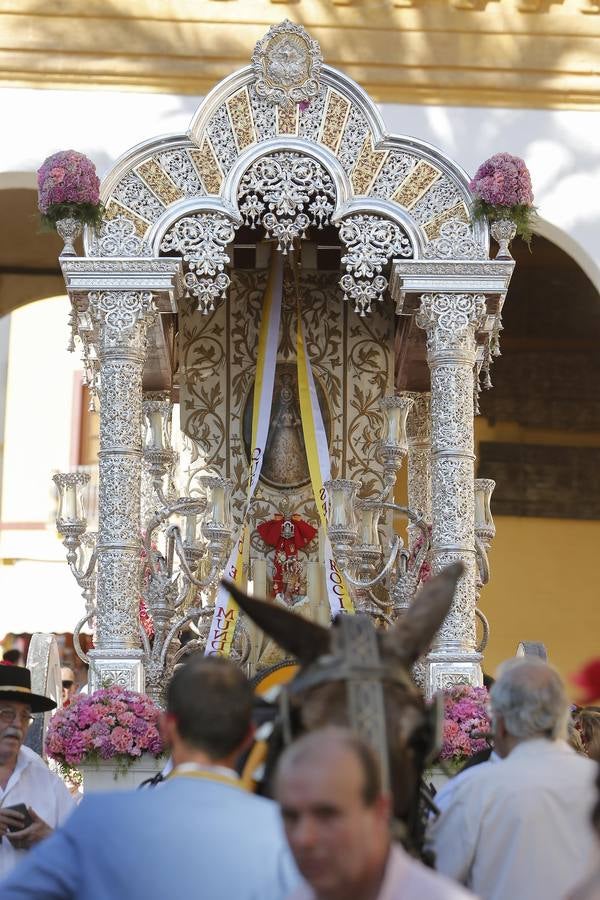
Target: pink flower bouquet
[466,719]
[111,723]
[68,186]
[502,190]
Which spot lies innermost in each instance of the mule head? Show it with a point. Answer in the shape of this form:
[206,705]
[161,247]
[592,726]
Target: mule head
[354,676]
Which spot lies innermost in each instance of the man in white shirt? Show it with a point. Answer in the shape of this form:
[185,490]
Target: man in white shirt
[521,828]
[444,797]
[24,777]
[337,822]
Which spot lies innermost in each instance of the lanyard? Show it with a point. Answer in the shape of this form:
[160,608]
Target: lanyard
[207,775]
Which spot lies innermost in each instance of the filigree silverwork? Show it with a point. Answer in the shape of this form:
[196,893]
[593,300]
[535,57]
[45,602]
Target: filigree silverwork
[118,237]
[286,192]
[69,229]
[456,241]
[371,241]
[201,240]
[503,231]
[287,65]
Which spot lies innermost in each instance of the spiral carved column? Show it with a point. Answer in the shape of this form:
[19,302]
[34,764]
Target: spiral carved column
[450,322]
[121,320]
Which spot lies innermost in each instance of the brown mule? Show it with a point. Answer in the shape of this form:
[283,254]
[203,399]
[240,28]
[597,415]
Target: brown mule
[356,676]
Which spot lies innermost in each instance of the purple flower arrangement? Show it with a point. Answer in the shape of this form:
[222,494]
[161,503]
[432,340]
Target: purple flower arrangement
[502,190]
[68,186]
[111,723]
[466,719]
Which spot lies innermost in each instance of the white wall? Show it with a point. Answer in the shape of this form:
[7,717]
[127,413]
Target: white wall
[560,147]
[37,427]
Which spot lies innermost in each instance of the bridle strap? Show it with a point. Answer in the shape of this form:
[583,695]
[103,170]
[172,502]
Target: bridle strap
[355,640]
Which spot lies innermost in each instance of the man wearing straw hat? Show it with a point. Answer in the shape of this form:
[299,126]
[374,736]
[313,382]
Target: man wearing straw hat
[25,780]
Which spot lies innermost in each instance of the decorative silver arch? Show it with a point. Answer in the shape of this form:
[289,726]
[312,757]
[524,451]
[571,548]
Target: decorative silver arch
[270,118]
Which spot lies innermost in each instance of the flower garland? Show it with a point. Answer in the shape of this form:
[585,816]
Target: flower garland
[112,723]
[68,186]
[502,190]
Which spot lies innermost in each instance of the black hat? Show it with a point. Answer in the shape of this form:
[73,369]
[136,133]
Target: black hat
[15,684]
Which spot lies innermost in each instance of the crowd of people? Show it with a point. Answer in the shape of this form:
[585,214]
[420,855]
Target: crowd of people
[524,825]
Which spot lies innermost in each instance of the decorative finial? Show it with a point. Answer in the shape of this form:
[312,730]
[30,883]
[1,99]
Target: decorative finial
[287,65]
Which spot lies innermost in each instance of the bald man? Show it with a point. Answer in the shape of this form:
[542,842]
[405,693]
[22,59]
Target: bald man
[521,828]
[337,818]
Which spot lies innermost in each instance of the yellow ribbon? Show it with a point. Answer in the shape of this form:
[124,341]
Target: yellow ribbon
[317,452]
[226,609]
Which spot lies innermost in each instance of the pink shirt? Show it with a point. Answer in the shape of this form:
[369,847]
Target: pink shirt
[406,879]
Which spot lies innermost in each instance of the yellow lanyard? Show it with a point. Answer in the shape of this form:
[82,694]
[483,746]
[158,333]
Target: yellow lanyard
[207,775]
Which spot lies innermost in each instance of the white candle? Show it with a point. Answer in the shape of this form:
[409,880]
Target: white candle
[368,528]
[191,523]
[479,506]
[154,434]
[218,504]
[70,502]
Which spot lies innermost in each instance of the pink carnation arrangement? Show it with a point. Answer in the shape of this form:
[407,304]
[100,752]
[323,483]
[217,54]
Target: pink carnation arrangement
[502,189]
[69,186]
[111,723]
[466,718]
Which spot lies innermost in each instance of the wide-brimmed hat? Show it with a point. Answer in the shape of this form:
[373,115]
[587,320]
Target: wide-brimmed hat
[15,684]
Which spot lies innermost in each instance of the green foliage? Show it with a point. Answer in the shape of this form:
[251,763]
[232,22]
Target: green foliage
[522,215]
[86,213]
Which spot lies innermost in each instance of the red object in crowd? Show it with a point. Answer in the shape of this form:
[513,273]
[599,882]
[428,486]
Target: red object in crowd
[6,662]
[588,678]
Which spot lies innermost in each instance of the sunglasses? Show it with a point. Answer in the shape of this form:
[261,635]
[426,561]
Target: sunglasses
[67,684]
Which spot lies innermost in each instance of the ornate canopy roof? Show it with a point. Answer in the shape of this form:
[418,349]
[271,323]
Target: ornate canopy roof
[286,142]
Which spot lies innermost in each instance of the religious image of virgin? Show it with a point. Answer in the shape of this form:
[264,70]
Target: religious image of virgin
[285,464]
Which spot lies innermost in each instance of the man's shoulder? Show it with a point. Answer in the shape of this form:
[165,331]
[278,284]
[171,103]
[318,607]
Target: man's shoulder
[558,767]
[31,758]
[179,794]
[472,781]
[411,879]
[33,762]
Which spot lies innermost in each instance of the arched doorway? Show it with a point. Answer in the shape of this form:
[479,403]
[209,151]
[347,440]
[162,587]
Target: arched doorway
[538,436]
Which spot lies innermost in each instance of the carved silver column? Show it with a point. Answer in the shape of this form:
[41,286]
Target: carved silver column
[419,459]
[121,320]
[450,321]
[117,304]
[457,293]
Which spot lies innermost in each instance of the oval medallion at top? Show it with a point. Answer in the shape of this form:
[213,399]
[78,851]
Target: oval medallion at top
[287,65]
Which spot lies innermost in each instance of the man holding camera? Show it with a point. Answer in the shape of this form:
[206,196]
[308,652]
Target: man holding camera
[33,801]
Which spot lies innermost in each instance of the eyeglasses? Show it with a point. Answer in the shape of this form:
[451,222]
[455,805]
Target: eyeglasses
[67,684]
[9,715]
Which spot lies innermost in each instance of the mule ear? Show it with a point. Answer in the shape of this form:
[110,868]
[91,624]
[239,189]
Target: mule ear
[414,632]
[294,633]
